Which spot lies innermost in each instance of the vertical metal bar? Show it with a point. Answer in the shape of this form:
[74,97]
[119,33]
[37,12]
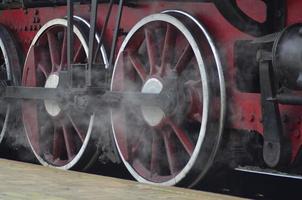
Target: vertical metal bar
[103,30]
[70,35]
[115,36]
[93,17]
[276,151]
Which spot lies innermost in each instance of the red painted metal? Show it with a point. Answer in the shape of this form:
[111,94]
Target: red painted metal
[244,110]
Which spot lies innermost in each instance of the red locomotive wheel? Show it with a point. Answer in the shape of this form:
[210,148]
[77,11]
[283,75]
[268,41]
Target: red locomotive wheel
[10,74]
[61,138]
[174,148]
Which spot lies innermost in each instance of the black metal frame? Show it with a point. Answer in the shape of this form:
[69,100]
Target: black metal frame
[66,92]
[276,11]
[233,16]
[273,88]
[275,20]
[276,151]
[11,4]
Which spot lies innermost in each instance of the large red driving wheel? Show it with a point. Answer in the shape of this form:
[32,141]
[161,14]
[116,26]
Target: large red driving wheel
[179,147]
[63,138]
[10,74]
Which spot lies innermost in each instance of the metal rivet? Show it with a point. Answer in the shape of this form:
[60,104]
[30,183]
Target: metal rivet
[252,118]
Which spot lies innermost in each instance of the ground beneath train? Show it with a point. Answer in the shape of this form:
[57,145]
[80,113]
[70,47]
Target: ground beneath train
[29,181]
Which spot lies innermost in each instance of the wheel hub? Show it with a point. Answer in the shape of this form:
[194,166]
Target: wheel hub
[52,107]
[152,115]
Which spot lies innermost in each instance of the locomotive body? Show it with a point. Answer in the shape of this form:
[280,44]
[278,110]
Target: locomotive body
[228,73]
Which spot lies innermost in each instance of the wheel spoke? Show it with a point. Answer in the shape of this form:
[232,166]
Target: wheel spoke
[119,75]
[120,132]
[64,51]
[138,66]
[3,107]
[155,153]
[41,56]
[43,70]
[137,142]
[2,119]
[170,150]
[57,143]
[54,49]
[29,70]
[193,83]
[184,59]
[151,50]
[79,133]
[197,117]
[69,143]
[134,148]
[31,125]
[195,99]
[141,169]
[182,136]
[79,52]
[167,52]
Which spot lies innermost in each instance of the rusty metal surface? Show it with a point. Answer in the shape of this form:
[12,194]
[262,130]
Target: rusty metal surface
[27,181]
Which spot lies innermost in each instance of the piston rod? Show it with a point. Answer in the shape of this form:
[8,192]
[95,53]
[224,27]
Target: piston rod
[89,97]
[287,99]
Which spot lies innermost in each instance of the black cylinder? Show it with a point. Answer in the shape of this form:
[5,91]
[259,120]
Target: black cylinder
[287,57]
